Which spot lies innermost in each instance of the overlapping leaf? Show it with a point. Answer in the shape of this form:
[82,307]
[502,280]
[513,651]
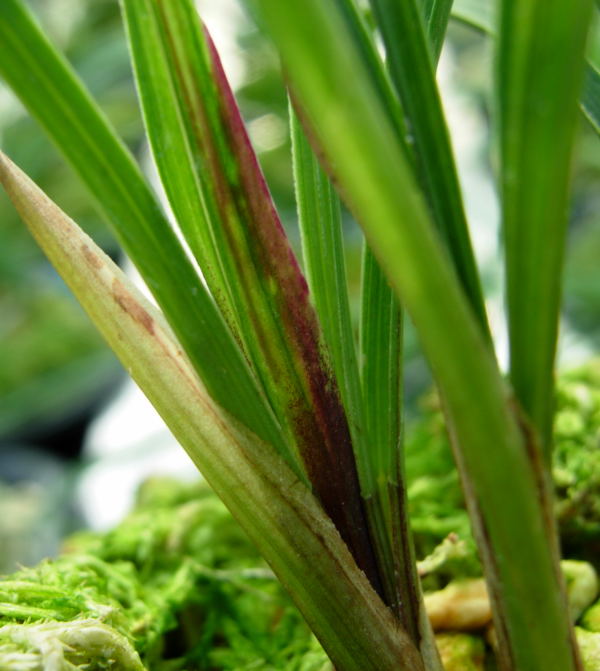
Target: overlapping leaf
[257,280]
[352,127]
[411,65]
[436,14]
[284,520]
[537,109]
[52,93]
[480,15]
[373,402]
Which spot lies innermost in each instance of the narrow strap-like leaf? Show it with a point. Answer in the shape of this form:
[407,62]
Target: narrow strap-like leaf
[269,296]
[167,129]
[436,14]
[52,93]
[411,67]
[381,357]
[381,375]
[376,455]
[378,452]
[365,43]
[320,221]
[279,513]
[540,62]
[590,101]
[387,506]
[508,501]
[480,14]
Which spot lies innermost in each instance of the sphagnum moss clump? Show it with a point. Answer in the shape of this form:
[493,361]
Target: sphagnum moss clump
[176,585]
[133,597]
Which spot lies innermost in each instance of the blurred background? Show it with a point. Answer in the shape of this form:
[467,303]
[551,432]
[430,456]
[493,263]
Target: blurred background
[76,437]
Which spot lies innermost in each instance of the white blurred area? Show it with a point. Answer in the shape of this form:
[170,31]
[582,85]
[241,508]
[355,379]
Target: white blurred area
[127,443]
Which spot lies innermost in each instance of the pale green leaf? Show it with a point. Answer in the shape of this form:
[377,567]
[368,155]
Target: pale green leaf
[53,94]
[436,14]
[480,14]
[277,511]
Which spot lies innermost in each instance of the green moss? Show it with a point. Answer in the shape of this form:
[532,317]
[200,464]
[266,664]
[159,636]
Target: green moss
[582,585]
[591,618]
[435,498]
[436,503]
[461,652]
[589,645]
[177,584]
[577,460]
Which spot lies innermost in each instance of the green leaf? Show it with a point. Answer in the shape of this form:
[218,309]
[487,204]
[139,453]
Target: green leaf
[52,93]
[387,506]
[412,70]
[540,61]
[381,374]
[383,334]
[381,370]
[477,13]
[436,14]
[353,130]
[275,319]
[365,43]
[590,101]
[319,217]
[376,453]
[480,14]
[284,520]
[170,132]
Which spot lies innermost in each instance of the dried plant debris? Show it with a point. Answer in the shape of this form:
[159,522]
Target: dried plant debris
[57,646]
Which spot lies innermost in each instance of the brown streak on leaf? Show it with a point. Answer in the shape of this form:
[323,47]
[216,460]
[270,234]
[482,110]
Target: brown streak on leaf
[91,257]
[486,547]
[129,305]
[538,469]
[318,415]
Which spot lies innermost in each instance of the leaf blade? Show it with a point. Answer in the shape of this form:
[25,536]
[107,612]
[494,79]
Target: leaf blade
[323,252]
[51,91]
[284,520]
[590,101]
[350,123]
[479,14]
[537,111]
[320,222]
[380,348]
[269,297]
[377,451]
[412,71]
[436,14]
